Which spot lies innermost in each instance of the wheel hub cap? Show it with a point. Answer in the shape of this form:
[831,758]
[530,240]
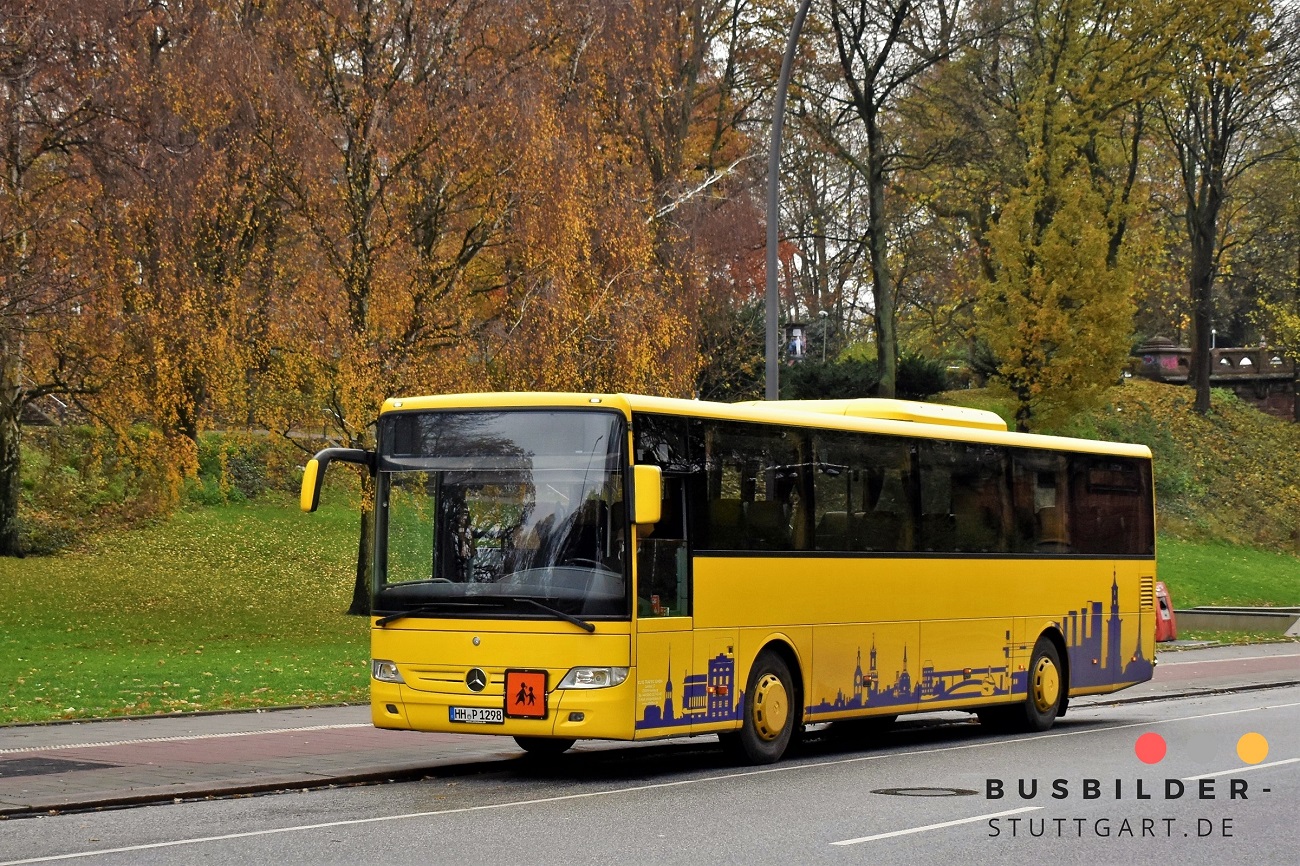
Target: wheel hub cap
[1046,685]
[771,707]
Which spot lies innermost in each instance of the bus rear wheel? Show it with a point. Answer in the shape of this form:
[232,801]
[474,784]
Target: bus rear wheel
[544,747]
[1046,687]
[770,712]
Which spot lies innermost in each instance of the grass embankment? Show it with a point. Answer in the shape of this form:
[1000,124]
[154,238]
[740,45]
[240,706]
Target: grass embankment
[218,607]
[1207,573]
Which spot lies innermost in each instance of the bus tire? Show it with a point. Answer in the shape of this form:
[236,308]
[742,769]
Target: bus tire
[1046,686]
[1045,691]
[544,747]
[771,707]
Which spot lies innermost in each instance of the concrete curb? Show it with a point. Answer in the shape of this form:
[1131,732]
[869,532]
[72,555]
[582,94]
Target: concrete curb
[179,714]
[400,773]
[1104,700]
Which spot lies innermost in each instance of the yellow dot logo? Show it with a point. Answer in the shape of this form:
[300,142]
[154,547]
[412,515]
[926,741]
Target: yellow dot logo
[1252,748]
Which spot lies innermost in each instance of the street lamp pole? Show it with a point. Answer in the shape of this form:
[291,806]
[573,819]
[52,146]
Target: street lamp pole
[823,315]
[772,391]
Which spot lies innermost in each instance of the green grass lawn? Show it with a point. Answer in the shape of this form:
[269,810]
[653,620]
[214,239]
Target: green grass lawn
[1198,573]
[221,607]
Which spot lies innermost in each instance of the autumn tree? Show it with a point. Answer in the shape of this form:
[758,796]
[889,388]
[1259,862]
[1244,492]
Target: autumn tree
[671,87]
[387,129]
[824,215]
[195,231]
[473,221]
[1056,308]
[53,61]
[1265,258]
[1233,64]
[880,49]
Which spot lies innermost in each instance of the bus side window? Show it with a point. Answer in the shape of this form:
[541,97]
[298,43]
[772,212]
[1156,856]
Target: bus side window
[977,499]
[663,569]
[1040,496]
[1109,511]
[936,530]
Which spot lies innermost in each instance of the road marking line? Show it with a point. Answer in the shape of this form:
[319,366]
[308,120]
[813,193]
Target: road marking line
[912,830]
[1241,770]
[1160,664]
[179,739]
[630,790]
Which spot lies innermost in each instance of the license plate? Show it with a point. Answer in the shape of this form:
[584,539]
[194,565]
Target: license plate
[478,715]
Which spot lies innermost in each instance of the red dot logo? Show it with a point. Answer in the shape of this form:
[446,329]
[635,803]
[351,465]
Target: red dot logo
[1150,748]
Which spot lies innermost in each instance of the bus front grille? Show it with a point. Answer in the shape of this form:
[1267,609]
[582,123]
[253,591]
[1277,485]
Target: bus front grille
[448,680]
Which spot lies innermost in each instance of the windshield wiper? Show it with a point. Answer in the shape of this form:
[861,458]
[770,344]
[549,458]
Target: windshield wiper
[431,607]
[558,614]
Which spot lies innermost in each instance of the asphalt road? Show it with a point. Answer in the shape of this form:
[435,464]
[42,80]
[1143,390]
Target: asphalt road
[831,802]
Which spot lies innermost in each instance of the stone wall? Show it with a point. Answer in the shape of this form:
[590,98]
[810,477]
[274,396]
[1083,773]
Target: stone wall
[1260,376]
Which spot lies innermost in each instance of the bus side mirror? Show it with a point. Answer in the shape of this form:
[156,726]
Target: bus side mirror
[314,475]
[647,494]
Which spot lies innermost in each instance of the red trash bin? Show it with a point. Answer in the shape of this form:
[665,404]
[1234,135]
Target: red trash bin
[1166,625]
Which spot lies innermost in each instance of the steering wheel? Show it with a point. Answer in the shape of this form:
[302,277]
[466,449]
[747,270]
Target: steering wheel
[582,560]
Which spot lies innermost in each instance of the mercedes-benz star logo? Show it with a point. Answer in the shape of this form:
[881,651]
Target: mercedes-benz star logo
[476,680]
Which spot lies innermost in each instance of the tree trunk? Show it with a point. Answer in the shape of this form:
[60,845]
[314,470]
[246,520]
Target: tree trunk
[10,454]
[882,282]
[1201,284]
[365,563]
[1295,389]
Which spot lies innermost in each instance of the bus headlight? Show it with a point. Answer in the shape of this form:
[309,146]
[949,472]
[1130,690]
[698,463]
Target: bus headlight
[593,678]
[385,671]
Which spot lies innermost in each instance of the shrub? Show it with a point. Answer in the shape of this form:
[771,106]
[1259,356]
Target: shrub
[918,379]
[811,380]
[239,466]
[77,479]
[44,534]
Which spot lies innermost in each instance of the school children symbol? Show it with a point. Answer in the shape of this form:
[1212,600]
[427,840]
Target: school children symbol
[526,694]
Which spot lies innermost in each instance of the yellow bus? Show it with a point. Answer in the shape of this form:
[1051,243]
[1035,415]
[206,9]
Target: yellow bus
[555,567]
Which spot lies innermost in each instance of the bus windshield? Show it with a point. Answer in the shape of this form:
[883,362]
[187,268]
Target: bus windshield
[501,514]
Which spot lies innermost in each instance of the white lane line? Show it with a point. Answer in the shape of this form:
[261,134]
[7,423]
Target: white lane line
[1241,770]
[912,830]
[181,739]
[1160,664]
[657,785]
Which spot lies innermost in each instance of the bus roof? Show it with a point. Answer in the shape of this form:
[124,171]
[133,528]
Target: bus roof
[889,417]
[897,410]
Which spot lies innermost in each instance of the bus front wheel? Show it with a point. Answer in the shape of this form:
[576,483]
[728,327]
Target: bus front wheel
[770,712]
[544,747]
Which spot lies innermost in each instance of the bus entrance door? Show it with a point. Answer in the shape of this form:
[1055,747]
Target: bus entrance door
[664,651]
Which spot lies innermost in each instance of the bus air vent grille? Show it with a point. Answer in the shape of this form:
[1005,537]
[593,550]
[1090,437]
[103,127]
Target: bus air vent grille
[1147,593]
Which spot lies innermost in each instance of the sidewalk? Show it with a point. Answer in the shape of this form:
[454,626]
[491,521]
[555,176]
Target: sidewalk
[105,764]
